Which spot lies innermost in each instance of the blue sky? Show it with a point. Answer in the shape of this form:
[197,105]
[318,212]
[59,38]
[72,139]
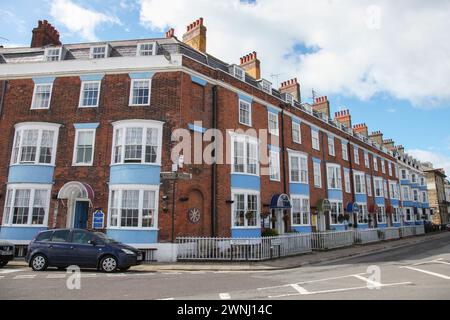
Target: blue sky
[387,77]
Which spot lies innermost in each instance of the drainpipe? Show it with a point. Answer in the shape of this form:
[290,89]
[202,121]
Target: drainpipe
[2,97]
[283,153]
[214,166]
[352,186]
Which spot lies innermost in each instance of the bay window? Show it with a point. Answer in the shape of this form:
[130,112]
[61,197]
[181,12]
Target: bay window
[300,210]
[409,216]
[336,210]
[137,142]
[334,176]
[363,214]
[35,143]
[26,205]
[245,209]
[381,216]
[245,155]
[133,206]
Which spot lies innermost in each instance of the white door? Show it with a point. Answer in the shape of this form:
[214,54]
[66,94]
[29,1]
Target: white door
[280,221]
[321,223]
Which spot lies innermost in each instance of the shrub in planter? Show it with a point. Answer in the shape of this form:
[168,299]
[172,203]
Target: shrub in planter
[249,215]
[341,218]
[346,217]
[269,233]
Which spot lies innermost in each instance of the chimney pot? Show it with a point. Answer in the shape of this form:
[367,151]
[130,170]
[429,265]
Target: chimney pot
[195,35]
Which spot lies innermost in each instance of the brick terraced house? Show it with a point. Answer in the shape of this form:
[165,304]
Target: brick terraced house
[87,127]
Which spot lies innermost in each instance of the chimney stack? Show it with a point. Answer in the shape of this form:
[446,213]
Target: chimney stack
[361,128]
[377,137]
[322,105]
[195,35]
[251,64]
[389,144]
[44,34]
[344,118]
[293,87]
[170,33]
[400,149]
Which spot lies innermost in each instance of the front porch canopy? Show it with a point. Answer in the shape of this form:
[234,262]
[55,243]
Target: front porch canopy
[76,190]
[280,201]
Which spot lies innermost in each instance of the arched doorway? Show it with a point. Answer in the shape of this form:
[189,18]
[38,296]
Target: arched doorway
[79,198]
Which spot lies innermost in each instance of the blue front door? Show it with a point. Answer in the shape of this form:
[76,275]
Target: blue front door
[81,215]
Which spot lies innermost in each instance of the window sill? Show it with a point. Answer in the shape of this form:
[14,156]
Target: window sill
[82,164]
[40,108]
[133,228]
[25,225]
[136,163]
[87,107]
[32,164]
[246,124]
[139,105]
[244,227]
[246,174]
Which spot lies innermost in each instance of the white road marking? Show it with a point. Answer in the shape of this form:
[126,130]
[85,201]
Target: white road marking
[376,284]
[197,272]
[428,272]
[116,275]
[224,296]
[443,262]
[5,271]
[89,275]
[56,276]
[299,289]
[166,299]
[25,276]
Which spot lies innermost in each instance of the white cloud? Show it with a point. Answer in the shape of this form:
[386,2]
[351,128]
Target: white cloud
[365,47]
[438,159]
[78,19]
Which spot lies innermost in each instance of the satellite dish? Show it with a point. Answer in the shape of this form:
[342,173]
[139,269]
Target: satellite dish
[168,56]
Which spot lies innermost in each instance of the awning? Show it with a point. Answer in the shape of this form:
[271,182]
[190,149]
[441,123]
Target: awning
[280,201]
[76,190]
[352,207]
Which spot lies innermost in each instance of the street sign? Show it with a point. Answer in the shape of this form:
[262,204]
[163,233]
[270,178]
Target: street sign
[175,176]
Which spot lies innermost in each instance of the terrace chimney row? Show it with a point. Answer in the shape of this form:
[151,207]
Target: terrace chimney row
[251,64]
[195,35]
[344,118]
[292,87]
[322,105]
[44,34]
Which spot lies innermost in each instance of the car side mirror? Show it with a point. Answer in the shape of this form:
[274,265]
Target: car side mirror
[92,242]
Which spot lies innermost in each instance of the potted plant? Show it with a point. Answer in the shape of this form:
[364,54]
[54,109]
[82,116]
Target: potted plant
[341,218]
[365,220]
[249,215]
[346,216]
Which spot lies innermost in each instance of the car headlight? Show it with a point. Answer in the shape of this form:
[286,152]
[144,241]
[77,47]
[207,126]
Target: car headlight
[127,251]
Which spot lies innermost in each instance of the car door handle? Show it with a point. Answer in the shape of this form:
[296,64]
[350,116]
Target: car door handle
[50,247]
[72,247]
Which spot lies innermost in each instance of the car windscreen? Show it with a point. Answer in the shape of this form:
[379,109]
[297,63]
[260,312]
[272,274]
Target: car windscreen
[103,237]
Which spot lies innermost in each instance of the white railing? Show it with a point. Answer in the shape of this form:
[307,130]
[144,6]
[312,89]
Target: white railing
[420,229]
[389,233]
[407,231]
[366,236]
[331,240]
[243,249]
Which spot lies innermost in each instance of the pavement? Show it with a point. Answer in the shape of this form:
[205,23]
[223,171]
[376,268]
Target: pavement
[314,258]
[415,268]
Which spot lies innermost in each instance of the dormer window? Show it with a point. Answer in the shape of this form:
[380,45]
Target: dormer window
[146,49]
[238,73]
[266,86]
[289,98]
[53,54]
[99,52]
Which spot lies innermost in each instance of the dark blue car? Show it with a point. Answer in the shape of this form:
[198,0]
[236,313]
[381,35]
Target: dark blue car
[66,247]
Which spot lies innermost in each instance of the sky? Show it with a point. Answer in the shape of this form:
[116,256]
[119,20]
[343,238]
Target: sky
[388,62]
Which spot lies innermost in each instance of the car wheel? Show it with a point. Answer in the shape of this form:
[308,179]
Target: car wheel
[108,264]
[3,263]
[39,262]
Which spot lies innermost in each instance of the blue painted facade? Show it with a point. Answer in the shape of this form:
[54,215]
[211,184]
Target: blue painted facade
[244,181]
[338,227]
[92,77]
[299,188]
[379,201]
[363,226]
[19,233]
[303,229]
[335,194]
[245,232]
[198,80]
[361,198]
[133,236]
[135,174]
[80,126]
[31,174]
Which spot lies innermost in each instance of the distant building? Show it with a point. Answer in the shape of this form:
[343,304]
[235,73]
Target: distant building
[447,195]
[436,193]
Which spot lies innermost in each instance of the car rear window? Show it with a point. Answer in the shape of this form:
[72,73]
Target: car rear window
[44,236]
[61,236]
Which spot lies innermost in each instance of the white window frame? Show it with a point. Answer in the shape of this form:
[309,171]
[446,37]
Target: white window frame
[336,171]
[296,126]
[33,101]
[274,121]
[369,185]
[378,185]
[411,214]
[381,214]
[240,74]
[390,168]
[317,170]
[275,171]
[366,159]
[32,187]
[139,50]
[130,102]
[406,193]
[144,124]
[383,165]
[92,54]
[339,205]
[348,188]
[356,154]
[40,126]
[249,105]
[363,213]
[75,148]
[315,139]
[246,140]
[301,198]
[141,188]
[385,189]
[362,179]
[331,146]
[415,195]
[49,58]
[375,162]
[300,157]
[266,86]
[344,151]
[80,102]
[246,193]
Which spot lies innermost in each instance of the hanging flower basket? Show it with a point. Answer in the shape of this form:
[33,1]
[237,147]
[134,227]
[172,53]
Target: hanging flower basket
[264,214]
[341,218]
[249,215]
